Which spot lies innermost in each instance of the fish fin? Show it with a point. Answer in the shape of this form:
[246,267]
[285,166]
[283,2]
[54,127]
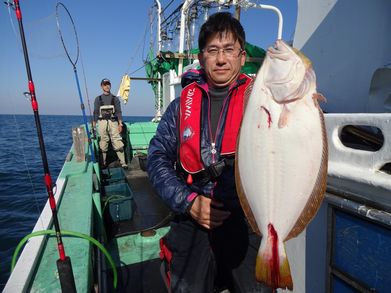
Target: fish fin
[318,97]
[272,266]
[283,120]
[317,195]
[239,187]
[243,200]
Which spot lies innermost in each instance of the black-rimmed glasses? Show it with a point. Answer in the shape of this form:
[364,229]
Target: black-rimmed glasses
[228,52]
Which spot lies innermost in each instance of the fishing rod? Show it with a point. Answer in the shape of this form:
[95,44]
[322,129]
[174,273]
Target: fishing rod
[88,98]
[64,265]
[74,62]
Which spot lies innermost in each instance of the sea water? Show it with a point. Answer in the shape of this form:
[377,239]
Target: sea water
[22,190]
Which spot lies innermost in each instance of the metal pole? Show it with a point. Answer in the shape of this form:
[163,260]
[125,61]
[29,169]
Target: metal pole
[159,104]
[275,10]
[184,9]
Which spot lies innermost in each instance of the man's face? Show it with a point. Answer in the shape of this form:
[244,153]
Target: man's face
[106,87]
[222,67]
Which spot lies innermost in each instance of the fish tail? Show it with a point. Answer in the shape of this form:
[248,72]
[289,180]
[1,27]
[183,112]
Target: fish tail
[272,266]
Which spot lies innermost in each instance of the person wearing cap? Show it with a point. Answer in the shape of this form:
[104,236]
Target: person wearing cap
[108,120]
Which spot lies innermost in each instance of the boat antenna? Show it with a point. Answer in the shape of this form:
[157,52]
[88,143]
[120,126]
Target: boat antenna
[73,61]
[64,265]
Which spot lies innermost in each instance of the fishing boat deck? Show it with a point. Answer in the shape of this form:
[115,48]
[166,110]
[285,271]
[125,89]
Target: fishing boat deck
[149,213]
[134,243]
[141,277]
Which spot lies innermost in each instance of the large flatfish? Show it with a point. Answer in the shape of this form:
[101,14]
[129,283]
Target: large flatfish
[281,167]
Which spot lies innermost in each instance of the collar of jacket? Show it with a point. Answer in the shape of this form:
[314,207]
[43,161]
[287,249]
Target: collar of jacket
[197,148]
[198,76]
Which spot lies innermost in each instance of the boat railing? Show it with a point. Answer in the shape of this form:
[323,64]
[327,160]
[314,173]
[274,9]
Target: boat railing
[22,276]
[360,154]
[24,269]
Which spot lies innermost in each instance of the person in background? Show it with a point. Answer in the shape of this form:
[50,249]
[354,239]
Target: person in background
[209,247]
[108,120]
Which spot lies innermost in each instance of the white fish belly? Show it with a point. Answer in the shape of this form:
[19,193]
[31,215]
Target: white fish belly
[278,167]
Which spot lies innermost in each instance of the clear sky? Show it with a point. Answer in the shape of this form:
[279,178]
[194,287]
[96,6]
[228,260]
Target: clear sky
[112,42]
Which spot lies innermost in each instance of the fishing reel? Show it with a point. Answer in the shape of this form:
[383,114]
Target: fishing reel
[27,95]
[10,4]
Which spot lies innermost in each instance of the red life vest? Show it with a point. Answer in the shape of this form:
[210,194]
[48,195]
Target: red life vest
[190,124]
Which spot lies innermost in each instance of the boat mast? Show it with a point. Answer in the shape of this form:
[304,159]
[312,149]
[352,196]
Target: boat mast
[237,10]
[159,48]
[184,9]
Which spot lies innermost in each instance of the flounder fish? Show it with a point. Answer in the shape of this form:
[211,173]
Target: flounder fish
[281,167]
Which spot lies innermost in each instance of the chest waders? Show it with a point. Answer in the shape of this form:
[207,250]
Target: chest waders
[108,130]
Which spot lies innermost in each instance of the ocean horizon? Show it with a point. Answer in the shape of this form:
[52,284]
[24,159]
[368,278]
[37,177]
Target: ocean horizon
[22,190]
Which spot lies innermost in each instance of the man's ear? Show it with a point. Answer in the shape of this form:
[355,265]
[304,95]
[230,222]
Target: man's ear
[201,59]
[243,58]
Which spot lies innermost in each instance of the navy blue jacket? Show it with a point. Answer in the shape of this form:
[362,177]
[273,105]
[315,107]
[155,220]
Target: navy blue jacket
[162,156]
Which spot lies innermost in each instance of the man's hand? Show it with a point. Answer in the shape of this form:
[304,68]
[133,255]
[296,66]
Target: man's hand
[120,127]
[207,212]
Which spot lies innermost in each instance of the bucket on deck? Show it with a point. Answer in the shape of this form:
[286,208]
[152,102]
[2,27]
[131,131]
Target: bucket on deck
[119,201]
[113,175]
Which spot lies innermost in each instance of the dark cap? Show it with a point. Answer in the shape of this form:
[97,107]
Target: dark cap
[105,81]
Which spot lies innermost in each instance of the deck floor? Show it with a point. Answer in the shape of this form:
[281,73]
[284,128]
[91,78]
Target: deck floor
[150,212]
[142,277]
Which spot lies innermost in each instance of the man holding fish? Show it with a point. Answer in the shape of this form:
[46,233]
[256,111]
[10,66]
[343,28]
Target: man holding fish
[191,165]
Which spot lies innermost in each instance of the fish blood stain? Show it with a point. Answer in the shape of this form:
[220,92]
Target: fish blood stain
[269,117]
[274,262]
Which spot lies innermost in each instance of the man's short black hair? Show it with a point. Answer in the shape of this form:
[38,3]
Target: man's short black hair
[220,23]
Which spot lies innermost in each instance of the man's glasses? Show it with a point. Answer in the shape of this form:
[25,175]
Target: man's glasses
[229,52]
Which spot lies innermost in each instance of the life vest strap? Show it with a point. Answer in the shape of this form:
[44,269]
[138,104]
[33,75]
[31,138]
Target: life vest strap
[212,173]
